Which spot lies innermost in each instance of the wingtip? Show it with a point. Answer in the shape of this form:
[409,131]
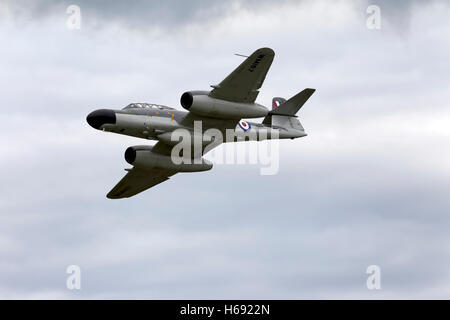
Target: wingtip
[266,50]
[110,196]
[113,196]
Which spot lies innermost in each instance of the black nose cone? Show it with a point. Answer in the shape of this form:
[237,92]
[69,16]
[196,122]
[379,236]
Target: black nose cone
[100,117]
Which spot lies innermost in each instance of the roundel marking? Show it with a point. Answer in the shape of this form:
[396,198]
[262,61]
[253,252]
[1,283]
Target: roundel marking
[244,125]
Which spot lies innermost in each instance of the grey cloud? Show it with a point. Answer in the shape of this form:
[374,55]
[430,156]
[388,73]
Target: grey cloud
[174,13]
[137,14]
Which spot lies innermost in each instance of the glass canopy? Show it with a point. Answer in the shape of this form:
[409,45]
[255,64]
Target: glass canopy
[147,106]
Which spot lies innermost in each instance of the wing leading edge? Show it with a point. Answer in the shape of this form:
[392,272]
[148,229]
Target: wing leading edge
[138,180]
[243,83]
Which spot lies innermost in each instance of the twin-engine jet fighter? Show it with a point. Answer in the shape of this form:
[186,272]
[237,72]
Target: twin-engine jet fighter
[222,109]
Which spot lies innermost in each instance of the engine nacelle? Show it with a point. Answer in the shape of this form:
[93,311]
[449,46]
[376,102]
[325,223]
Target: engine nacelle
[143,157]
[198,102]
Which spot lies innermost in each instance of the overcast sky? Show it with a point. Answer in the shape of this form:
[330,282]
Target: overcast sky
[369,185]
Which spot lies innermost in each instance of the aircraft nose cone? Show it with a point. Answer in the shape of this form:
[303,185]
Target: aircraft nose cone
[100,117]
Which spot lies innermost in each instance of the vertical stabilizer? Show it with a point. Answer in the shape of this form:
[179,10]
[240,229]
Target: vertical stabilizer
[277,101]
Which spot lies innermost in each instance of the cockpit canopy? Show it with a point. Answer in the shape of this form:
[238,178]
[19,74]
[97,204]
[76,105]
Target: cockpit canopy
[147,106]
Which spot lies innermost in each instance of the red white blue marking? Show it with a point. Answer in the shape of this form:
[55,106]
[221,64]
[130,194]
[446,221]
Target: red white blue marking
[244,125]
[276,103]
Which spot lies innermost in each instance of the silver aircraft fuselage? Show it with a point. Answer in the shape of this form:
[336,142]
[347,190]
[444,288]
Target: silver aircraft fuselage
[151,121]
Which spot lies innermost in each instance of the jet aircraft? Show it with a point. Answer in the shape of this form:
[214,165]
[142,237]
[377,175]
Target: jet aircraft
[223,108]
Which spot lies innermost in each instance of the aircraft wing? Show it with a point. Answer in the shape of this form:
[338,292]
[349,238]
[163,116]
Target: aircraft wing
[138,180]
[243,83]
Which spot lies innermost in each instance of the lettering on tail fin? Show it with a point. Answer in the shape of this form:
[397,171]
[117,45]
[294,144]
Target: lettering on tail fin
[277,101]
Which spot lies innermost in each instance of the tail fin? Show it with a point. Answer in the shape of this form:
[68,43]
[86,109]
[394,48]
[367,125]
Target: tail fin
[277,101]
[282,110]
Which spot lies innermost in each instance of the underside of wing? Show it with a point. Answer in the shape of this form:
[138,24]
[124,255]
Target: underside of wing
[138,180]
[243,83]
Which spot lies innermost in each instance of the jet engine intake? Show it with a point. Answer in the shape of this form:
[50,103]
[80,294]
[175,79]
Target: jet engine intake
[200,103]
